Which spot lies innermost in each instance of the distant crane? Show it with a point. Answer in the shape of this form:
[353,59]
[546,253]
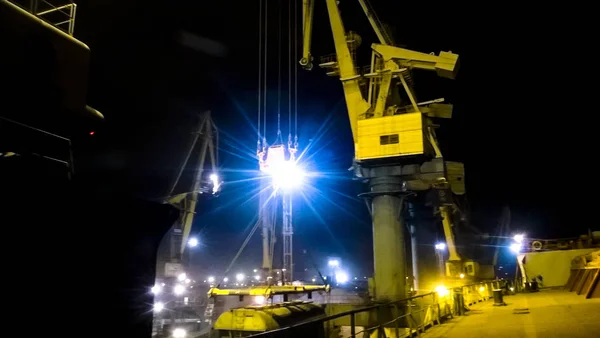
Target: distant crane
[184,195]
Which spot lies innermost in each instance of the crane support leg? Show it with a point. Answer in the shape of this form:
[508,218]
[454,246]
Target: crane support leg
[446,213]
[388,238]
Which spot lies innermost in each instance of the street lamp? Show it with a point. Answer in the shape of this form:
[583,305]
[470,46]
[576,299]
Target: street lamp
[240,277]
[211,279]
[440,246]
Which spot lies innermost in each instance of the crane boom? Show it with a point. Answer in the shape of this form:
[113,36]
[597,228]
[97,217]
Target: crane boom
[381,128]
[380,31]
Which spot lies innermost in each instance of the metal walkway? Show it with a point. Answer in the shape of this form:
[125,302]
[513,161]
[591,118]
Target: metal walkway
[548,313]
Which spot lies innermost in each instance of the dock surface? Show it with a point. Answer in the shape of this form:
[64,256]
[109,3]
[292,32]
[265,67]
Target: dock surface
[548,313]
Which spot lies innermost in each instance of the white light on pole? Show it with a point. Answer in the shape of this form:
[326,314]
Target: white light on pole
[158,306]
[225,279]
[211,279]
[341,277]
[193,242]
[181,277]
[240,277]
[178,289]
[333,263]
[440,246]
[257,277]
[519,238]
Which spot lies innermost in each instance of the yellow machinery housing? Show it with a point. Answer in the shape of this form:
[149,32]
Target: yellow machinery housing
[397,135]
[245,321]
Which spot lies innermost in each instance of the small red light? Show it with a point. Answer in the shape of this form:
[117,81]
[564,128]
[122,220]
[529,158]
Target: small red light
[92,132]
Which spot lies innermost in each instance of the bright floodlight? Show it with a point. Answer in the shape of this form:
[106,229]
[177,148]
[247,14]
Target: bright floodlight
[519,238]
[214,178]
[240,277]
[341,277]
[333,263]
[440,246]
[515,247]
[462,275]
[193,242]
[442,291]
[313,280]
[178,289]
[158,306]
[257,277]
[287,175]
[156,289]
[181,277]
[225,279]
[211,279]
[179,333]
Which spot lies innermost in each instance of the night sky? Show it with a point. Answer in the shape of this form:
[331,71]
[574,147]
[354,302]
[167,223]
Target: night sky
[518,125]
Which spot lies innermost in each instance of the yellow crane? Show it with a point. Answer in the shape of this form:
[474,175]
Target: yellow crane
[396,150]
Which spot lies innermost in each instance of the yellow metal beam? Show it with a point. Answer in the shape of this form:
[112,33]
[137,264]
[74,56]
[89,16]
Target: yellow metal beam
[267,290]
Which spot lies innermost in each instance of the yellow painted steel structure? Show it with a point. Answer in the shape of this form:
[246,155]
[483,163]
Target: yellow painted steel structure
[391,136]
[379,126]
[254,319]
[268,290]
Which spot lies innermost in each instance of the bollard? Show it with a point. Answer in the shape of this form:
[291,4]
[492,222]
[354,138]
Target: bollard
[498,298]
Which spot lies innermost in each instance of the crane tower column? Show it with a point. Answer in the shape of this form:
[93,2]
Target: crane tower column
[388,237]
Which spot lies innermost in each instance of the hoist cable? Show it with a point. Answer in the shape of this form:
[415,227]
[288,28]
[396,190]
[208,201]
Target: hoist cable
[279,74]
[290,65]
[260,2]
[243,246]
[266,32]
[295,73]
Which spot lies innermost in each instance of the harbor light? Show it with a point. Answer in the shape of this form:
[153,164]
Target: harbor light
[156,289]
[442,291]
[341,277]
[440,246]
[519,238]
[211,279]
[515,247]
[193,242]
[181,277]
[287,175]
[178,289]
[333,263]
[240,277]
[179,333]
[158,306]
